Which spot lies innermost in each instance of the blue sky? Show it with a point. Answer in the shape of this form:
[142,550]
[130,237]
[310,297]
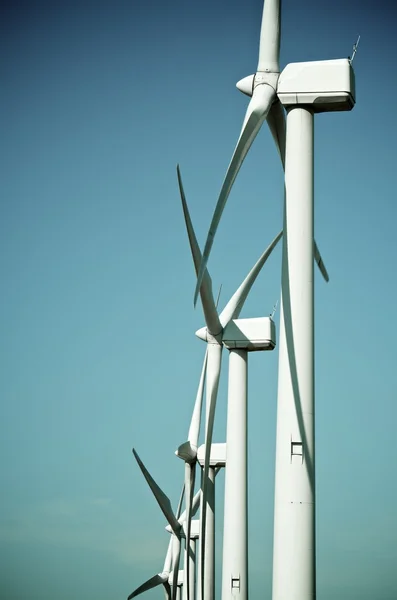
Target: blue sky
[100,100]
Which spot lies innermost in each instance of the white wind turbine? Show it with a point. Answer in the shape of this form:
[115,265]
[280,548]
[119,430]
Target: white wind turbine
[170,573]
[304,89]
[213,334]
[175,523]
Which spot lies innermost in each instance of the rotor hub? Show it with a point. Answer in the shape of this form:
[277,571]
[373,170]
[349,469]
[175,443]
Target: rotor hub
[267,78]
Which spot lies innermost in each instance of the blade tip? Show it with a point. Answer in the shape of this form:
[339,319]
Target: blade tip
[136,455]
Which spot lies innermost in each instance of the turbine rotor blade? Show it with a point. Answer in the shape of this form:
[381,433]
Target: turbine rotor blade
[258,108]
[194,247]
[320,263]
[188,450]
[207,297]
[178,510]
[168,559]
[162,500]
[276,122]
[151,583]
[236,302]
[194,429]
[269,44]
[195,505]
[167,590]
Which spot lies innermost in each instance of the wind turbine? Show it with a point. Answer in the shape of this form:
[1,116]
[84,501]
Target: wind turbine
[303,89]
[175,523]
[166,576]
[213,334]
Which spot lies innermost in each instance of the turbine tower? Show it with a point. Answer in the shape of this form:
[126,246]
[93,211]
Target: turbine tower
[240,337]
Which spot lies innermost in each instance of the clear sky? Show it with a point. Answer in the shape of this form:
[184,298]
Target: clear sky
[99,102]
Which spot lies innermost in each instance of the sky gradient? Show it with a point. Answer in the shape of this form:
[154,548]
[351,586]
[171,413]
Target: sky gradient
[99,102]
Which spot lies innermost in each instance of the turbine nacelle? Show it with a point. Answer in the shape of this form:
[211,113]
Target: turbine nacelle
[325,85]
[182,533]
[246,334]
[250,334]
[194,529]
[217,455]
[179,580]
